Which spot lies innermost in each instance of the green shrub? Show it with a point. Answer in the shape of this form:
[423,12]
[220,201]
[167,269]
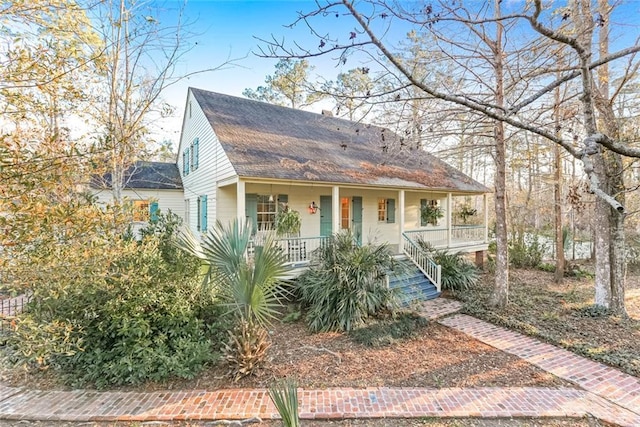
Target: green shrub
[345,284]
[112,314]
[165,229]
[251,288]
[386,332]
[458,274]
[284,395]
[526,254]
[545,266]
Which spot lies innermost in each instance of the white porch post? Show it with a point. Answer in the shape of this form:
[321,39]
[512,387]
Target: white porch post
[241,212]
[485,206]
[335,207]
[401,220]
[449,216]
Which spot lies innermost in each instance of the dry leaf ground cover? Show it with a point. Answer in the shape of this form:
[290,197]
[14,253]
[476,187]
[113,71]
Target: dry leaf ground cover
[434,355]
[563,315]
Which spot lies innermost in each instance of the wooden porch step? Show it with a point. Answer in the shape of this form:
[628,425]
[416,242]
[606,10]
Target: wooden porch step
[413,286]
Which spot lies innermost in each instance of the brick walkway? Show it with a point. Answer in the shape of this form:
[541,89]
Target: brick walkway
[595,377]
[605,393]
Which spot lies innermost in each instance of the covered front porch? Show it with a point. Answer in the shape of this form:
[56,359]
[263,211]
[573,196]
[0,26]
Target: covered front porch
[374,214]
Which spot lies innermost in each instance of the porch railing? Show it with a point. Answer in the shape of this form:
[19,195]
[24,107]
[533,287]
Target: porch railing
[297,250]
[460,235]
[422,260]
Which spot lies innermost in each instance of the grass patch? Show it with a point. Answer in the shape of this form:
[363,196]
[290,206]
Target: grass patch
[384,332]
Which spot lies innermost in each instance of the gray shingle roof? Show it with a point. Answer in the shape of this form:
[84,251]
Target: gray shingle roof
[146,175]
[268,141]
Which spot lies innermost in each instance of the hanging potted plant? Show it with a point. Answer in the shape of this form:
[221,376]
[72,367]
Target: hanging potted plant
[288,222]
[465,212]
[430,214]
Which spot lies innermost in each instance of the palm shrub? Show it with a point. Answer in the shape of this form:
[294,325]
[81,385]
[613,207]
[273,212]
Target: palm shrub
[250,287]
[457,273]
[346,283]
[284,395]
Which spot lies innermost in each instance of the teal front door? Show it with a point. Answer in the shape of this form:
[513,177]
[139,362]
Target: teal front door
[356,218]
[325,216]
[251,210]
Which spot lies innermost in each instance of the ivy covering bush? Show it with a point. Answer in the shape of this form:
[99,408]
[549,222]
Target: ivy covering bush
[113,311]
[346,283]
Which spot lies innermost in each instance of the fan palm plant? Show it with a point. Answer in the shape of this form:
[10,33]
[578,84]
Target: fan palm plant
[251,286]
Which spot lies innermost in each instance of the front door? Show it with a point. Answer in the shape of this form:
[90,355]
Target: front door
[326,227]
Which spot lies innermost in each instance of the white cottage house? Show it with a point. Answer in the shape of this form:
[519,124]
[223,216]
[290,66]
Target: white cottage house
[240,158]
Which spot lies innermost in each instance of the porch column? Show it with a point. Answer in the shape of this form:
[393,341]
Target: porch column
[241,212]
[485,206]
[335,207]
[449,216]
[400,220]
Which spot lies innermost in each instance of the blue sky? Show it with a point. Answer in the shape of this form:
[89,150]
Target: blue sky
[228,29]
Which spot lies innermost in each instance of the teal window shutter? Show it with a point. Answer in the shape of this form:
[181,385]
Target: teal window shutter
[185,161]
[251,210]
[423,206]
[199,206]
[196,153]
[391,210]
[153,212]
[203,213]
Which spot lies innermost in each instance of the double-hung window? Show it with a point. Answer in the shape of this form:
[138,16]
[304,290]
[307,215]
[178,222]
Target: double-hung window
[386,210]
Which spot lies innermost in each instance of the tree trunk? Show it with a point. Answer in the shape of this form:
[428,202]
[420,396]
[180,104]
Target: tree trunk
[558,276]
[557,193]
[612,275]
[500,297]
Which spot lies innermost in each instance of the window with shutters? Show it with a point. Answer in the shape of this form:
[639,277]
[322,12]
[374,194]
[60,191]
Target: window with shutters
[261,210]
[145,210]
[386,210]
[186,161]
[382,210]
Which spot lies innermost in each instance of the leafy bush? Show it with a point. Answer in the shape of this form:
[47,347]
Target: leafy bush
[458,274]
[345,284]
[166,228]
[526,254]
[112,312]
[386,332]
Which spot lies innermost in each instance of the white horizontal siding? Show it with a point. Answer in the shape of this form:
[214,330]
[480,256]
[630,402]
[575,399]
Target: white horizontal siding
[214,165]
[167,199]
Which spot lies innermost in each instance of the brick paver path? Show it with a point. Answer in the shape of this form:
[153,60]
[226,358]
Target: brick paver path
[606,393]
[595,377]
[320,404]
